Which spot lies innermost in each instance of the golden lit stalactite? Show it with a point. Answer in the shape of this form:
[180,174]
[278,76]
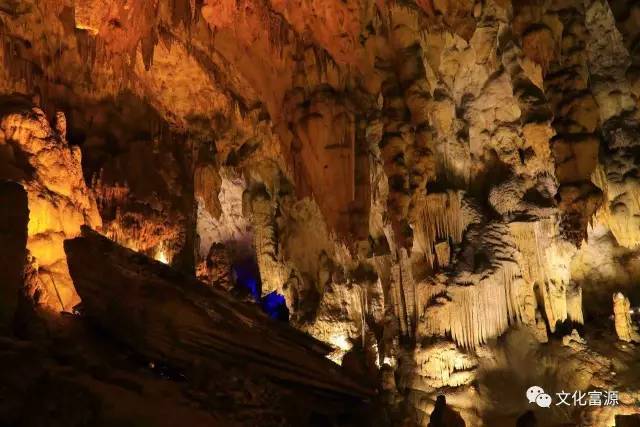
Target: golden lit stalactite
[220,212]
[480,311]
[473,307]
[405,296]
[325,127]
[545,262]
[441,220]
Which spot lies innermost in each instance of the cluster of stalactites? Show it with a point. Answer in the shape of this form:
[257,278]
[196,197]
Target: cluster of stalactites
[485,310]
[470,313]
[532,239]
[441,221]
[361,303]
[545,259]
[404,296]
[473,306]
[109,196]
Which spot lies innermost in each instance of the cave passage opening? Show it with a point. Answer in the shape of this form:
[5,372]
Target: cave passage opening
[247,278]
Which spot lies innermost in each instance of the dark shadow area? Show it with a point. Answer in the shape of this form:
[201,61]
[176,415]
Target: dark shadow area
[275,306]
[232,356]
[444,416]
[14,217]
[628,420]
[528,419]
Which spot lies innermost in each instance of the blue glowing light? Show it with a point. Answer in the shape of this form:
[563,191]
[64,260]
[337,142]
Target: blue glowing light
[248,277]
[275,306]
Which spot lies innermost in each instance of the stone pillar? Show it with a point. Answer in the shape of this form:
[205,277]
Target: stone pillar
[622,318]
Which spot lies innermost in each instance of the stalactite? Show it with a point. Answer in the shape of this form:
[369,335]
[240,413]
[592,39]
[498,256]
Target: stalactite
[19,68]
[405,295]
[484,310]
[623,224]
[147,47]
[181,12]
[360,300]
[320,57]
[441,219]
[531,242]
[474,306]
[108,197]
[408,292]
[398,298]
[544,262]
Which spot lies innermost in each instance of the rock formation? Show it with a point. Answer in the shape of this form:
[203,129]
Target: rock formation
[622,318]
[59,202]
[443,193]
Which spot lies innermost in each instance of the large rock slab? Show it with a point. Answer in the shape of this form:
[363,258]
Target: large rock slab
[176,320]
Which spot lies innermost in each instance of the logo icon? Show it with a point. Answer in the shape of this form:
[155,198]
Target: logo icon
[535,394]
[543,400]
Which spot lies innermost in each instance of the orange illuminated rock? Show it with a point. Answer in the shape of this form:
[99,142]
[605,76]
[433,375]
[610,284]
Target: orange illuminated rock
[58,199]
[436,185]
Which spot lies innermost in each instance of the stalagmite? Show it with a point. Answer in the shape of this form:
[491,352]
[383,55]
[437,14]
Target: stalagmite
[622,318]
[273,273]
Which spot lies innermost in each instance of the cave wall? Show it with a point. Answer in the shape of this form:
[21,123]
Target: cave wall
[419,180]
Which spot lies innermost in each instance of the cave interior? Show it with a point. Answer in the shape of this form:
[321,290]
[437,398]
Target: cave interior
[334,213]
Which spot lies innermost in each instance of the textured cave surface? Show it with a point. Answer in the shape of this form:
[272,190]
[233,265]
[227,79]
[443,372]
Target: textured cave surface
[318,212]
